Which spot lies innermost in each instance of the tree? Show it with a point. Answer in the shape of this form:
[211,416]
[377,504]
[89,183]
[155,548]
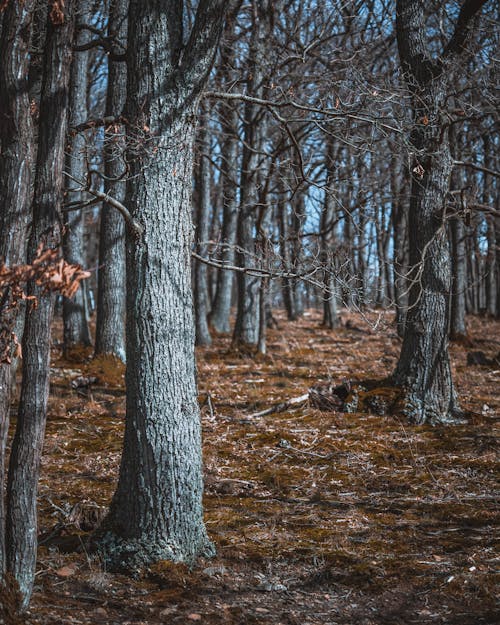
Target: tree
[424,365]
[110,322]
[75,313]
[24,466]
[156,511]
[16,163]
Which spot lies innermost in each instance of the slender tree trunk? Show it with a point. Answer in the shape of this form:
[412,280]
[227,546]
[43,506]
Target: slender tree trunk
[110,321]
[400,234]
[458,329]
[229,118]
[246,330]
[201,299]
[22,487]
[328,243]
[75,310]
[491,265]
[219,317]
[156,511]
[16,163]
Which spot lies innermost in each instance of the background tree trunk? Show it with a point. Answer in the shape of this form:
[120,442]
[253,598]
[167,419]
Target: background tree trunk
[75,310]
[110,321]
[201,299]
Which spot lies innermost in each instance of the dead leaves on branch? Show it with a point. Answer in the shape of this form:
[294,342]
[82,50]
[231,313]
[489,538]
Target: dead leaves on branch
[57,12]
[48,271]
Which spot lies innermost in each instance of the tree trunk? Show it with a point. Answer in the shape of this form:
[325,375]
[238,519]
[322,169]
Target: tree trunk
[201,299]
[22,487]
[156,511]
[400,235]
[246,330]
[424,364]
[229,118]
[328,243]
[110,321]
[75,310]
[16,163]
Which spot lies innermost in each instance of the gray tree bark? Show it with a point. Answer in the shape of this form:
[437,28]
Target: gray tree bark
[75,311]
[424,365]
[156,511]
[111,298]
[24,466]
[16,164]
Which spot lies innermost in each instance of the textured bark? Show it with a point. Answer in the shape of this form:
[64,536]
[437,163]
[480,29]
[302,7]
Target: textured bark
[156,511]
[16,163]
[75,310]
[111,302]
[21,530]
[201,300]
[424,365]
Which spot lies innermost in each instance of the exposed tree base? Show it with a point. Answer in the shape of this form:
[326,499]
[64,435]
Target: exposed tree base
[132,555]
[11,602]
[461,339]
[380,397]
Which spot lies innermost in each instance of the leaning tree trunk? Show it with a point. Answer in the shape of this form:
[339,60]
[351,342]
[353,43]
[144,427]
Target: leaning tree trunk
[110,320]
[21,530]
[156,511]
[16,162]
[75,313]
[424,365]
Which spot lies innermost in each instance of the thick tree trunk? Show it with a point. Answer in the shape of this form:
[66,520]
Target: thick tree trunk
[16,163]
[424,365]
[110,321]
[201,299]
[156,511]
[21,530]
[75,310]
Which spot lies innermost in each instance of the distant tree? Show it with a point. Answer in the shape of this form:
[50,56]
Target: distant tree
[156,511]
[424,364]
[110,321]
[75,311]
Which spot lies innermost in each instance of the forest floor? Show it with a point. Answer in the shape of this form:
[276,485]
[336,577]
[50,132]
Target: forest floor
[318,518]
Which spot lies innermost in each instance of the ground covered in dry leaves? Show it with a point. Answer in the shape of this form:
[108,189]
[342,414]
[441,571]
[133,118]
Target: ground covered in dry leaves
[318,518]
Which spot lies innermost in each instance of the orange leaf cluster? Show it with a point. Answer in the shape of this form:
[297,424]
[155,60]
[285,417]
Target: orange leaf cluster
[57,12]
[50,272]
